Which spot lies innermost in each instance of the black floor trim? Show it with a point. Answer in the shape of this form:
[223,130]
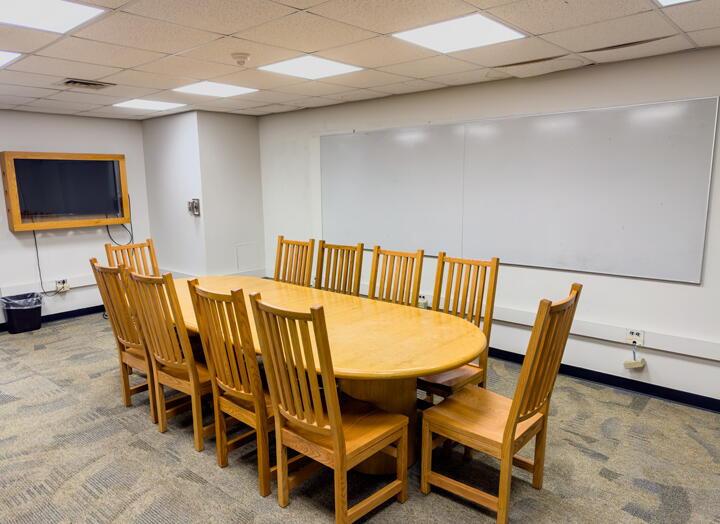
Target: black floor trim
[65,314]
[683,397]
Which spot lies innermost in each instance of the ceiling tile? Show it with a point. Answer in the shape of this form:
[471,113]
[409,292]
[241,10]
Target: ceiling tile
[512,52]
[365,78]
[11,100]
[236,102]
[270,96]
[545,66]
[51,110]
[411,86]
[707,37]
[124,92]
[249,112]
[357,94]
[377,52]
[260,54]
[259,79]
[305,32]
[64,68]
[32,92]
[144,33]
[300,4]
[314,101]
[487,4]
[87,98]
[112,4]
[544,16]
[670,44]
[189,67]
[149,80]
[82,50]
[30,79]
[314,88]
[24,40]
[470,77]
[119,112]
[277,108]
[385,17]
[433,66]
[220,16]
[63,104]
[635,28]
[702,14]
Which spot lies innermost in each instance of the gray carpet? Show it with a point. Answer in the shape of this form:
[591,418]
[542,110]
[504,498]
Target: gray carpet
[70,452]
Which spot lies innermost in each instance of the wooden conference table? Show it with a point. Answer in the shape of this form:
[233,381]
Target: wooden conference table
[378,349]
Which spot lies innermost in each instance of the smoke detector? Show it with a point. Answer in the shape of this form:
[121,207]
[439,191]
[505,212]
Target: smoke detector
[240,58]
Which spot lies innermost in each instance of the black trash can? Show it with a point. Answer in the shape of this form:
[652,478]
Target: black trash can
[22,312]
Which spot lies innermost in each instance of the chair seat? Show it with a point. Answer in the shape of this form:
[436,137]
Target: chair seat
[480,416]
[452,380]
[182,374]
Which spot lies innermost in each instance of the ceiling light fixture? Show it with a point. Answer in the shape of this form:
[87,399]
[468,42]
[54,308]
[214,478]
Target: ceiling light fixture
[666,3]
[58,16]
[152,105]
[310,67]
[7,56]
[461,33]
[215,89]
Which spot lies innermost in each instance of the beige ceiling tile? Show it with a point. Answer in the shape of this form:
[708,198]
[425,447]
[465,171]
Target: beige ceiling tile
[83,50]
[545,16]
[259,79]
[120,112]
[707,37]
[12,100]
[300,4]
[124,92]
[357,94]
[512,52]
[663,46]
[143,33]
[112,4]
[365,78]
[188,67]
[635,28]
[87,98]
[24,40]
[150,80]
[314,88]
[470,77]
[702,14]
[314,101]
[63,104]
[433,66]
[221,49]
[250,112]
[487,4]
[385,17]
[377,52]
[219,16]
[545,66]
[305,32]
[277,108]
[236,102]
[30,79]
[51,110]
[411,86]
[32,92]
[64,68]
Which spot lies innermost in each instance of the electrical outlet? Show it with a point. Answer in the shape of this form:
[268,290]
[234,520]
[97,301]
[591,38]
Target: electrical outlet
[635,337]
[61,286]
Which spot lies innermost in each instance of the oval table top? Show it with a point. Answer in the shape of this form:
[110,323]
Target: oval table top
[369,339]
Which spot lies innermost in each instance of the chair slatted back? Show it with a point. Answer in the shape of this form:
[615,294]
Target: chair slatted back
[294,345]
[461,284]
[118,308]
[161,320]
[138,258]
[399,276]
[293,261]
[227,341]
[339,268]
[542,360]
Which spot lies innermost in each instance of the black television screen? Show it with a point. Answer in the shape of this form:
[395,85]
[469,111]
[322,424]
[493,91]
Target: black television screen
[68,187]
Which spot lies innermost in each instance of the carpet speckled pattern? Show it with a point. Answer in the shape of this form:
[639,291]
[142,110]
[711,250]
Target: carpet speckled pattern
[70,452]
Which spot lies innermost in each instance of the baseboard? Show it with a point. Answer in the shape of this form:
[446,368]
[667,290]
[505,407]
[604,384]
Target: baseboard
[65,314]
[683,397]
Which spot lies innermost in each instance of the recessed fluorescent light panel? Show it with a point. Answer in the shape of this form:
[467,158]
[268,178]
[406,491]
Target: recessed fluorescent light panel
[58,16]
[6,57]
[461,33]
[310,67]
[666,3]
[214,89]
[151,105]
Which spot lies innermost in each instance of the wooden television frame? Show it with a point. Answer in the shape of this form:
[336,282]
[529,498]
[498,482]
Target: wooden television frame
[12,200]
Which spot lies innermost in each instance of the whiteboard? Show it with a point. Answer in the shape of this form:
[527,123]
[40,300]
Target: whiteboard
[621,191]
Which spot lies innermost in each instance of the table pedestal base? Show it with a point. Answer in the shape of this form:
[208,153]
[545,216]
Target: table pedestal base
[393,396]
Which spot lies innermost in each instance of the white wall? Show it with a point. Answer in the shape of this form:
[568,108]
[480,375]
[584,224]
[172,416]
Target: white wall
[676,316]
[64,253]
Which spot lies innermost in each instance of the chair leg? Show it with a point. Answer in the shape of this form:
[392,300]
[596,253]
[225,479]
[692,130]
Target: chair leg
[282,471]
[425,458]
[263,452]
[221,447]
[161,411]
[468,453]
[402,466]
[539,460]
[152,397]
[341,504]
[504,491]
[125,382]
[198,431]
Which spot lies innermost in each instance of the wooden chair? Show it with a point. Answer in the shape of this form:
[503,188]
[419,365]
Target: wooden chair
[400,274]
[293,261]
[234,374]
[339,268]
[468,283]
[138,258]
[500,426]
[132,352]
[338,432]
[174,366]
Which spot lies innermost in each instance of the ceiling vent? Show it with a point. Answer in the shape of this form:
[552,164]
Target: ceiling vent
[85,84]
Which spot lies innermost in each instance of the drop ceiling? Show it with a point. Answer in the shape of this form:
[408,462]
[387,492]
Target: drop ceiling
[149,47]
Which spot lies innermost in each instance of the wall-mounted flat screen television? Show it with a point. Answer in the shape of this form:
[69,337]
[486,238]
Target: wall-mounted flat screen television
[53,190]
